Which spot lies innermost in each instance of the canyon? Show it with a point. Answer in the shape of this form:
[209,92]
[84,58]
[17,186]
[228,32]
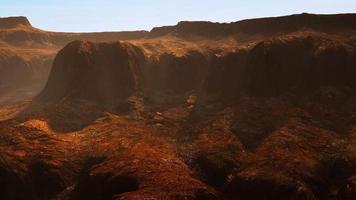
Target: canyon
[255,109]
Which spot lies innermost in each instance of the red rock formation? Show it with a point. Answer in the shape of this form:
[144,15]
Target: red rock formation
[301,63]
[13,69]
[176,74]
[294,63]
[106,73]
[14,22]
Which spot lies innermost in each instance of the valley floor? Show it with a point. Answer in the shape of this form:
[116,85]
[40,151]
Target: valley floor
[184,150]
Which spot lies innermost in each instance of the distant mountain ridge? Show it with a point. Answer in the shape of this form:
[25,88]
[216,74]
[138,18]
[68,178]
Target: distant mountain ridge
[268,26]
[271,25]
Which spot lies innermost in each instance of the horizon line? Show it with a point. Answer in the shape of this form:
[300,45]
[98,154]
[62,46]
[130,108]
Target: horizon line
[170,25]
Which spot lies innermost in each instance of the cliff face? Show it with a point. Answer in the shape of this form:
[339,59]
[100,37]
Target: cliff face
[302,63]
[286,24]
[13,69]
[177,74]
[105,72]
[262,26]
[109,73]
[13,22]
[297,63]
[294,63]
[16,71]
[18,31]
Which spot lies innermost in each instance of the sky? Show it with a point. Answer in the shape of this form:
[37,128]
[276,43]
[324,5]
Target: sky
[125,15]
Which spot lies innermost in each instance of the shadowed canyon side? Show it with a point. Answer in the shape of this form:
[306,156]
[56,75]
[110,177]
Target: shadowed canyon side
[257,109]
[105,73]
[109,73]
[296,63]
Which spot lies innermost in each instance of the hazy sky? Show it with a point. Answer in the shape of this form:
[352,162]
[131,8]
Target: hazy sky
[107,15]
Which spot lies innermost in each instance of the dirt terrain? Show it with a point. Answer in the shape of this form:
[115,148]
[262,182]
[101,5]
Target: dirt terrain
[256,109]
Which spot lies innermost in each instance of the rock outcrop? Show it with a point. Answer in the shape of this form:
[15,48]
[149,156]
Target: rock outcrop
[298,63]
[14,22]
[106,73]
